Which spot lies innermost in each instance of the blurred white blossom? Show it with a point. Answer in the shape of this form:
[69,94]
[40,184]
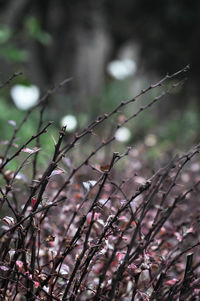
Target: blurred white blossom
[121,69]
[25,97]
[70,122]
[123,134]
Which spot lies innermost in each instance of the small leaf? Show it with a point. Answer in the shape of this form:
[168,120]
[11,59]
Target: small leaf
[8,220]
[105,167]
[171,281]
[133,224]
[19,264]
[4,142]
[119,256]
[89,184]
[36,284]
[178,236]
[78,196]
[56,172]
[95,217]
[140,180]
[12,122]
[4,268]
[117,259]
[30,150]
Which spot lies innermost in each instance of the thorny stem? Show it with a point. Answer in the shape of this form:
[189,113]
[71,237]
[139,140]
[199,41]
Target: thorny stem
[139,243]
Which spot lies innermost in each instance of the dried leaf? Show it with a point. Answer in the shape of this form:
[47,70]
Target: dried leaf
[56,172]
[36,284]
[4,268]
[105,167]
[89,184]
[133,224]
[30,150]
[19,264]
[171,281]
[9,220]
[78,196]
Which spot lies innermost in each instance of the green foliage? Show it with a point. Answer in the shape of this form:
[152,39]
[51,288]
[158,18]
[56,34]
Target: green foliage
[12,53]
[175,133]
[35,31]
[186,123]
[9,50]
[5,33]
[7,111]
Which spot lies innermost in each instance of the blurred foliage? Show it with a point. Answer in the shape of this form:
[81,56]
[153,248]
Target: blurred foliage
[9,50]
[13,54]
[167,31]
[167,34]
[9,112]
[114,92]
[175,134]
[5,33]
[13,51]
[35,31]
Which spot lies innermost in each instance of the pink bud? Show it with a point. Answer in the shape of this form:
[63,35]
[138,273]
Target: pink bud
[19,263]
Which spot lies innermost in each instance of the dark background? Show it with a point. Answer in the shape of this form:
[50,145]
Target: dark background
[51,40]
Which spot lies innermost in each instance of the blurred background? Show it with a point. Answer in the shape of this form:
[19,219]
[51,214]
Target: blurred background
[111,50]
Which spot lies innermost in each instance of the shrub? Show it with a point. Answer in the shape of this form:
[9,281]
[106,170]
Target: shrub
[84,229]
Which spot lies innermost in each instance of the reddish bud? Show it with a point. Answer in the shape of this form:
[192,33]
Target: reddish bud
[19,264]
[33,202]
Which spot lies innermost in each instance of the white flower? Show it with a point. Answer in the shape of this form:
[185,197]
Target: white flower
[123,134]
[25,97]
[121,69]
[70,122]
